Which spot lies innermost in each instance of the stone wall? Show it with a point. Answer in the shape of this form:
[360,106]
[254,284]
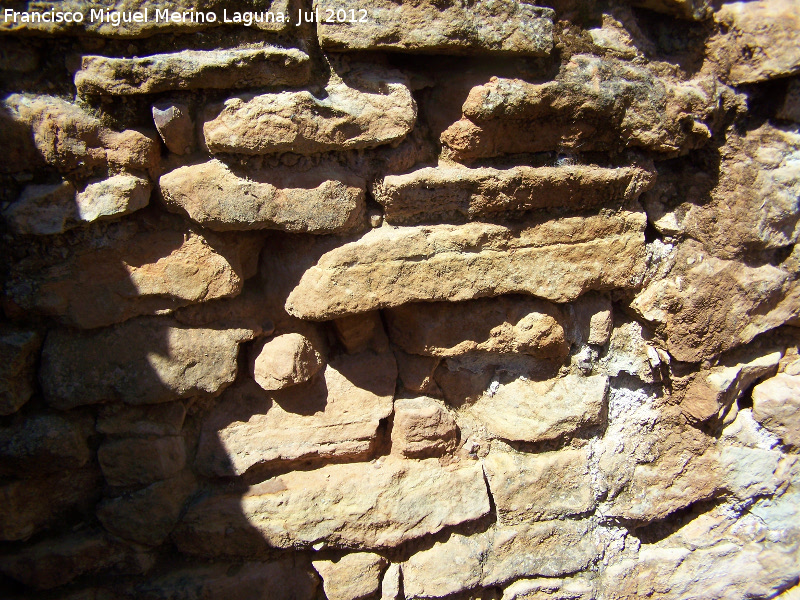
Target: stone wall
[469,299]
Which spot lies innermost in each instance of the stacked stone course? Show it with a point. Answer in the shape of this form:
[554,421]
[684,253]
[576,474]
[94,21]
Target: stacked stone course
[471,300]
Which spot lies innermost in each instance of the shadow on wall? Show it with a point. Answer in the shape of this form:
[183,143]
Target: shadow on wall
[98,462]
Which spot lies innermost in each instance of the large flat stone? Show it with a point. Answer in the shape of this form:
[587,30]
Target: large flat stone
[335,414]
[507,324]
[193,69]
[557,260]
[366,505]
[450,27]
[706,306]
[457,194]
[760,40]
[142,361]
[534,411]
[323,199]
[497,556]
[133,268]
[599,104]
[538,487]
[368,108]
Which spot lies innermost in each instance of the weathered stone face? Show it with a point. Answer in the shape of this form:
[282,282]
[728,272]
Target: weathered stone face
[449,27]
[400,299]
[335,414]
[368,108]
[368,505]
[328,199]
[758,40]
[556,260]
[189,69]
[143,361]
[456,194]
[133,269]
[753,204]
[533,411]
[594,105]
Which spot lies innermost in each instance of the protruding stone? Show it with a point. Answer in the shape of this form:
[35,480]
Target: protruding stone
[352,577]
[504,325]
[336,414]
[557,260]
[496,556]
[157,419]
[450,27]
[367,505]
[136,461]
[135,268]
[582,111]
[175,125]
[193,69]
[323,199]
[760,40]
[706,305]
[19,350]
[530,411]
[593,319]
[458,194]
[70,139]
[43,443]
[285,360]
[422,428]
[538,487]
[776,405]
[287,579]
[49,209]
[368,109]
[147,516]
[53,562]
[32,505]
[143,361]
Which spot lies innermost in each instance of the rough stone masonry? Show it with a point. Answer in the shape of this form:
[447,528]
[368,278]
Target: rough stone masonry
[400,299]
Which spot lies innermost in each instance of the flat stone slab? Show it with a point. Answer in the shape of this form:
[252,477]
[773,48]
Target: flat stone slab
[498,555]
[336,414]
[193,69]
[366,505]
[457,194]
[557,260]
[450,27]
[323,199]
[142,361]
[132,268]
[367,109]
[534,411]
[537,487]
